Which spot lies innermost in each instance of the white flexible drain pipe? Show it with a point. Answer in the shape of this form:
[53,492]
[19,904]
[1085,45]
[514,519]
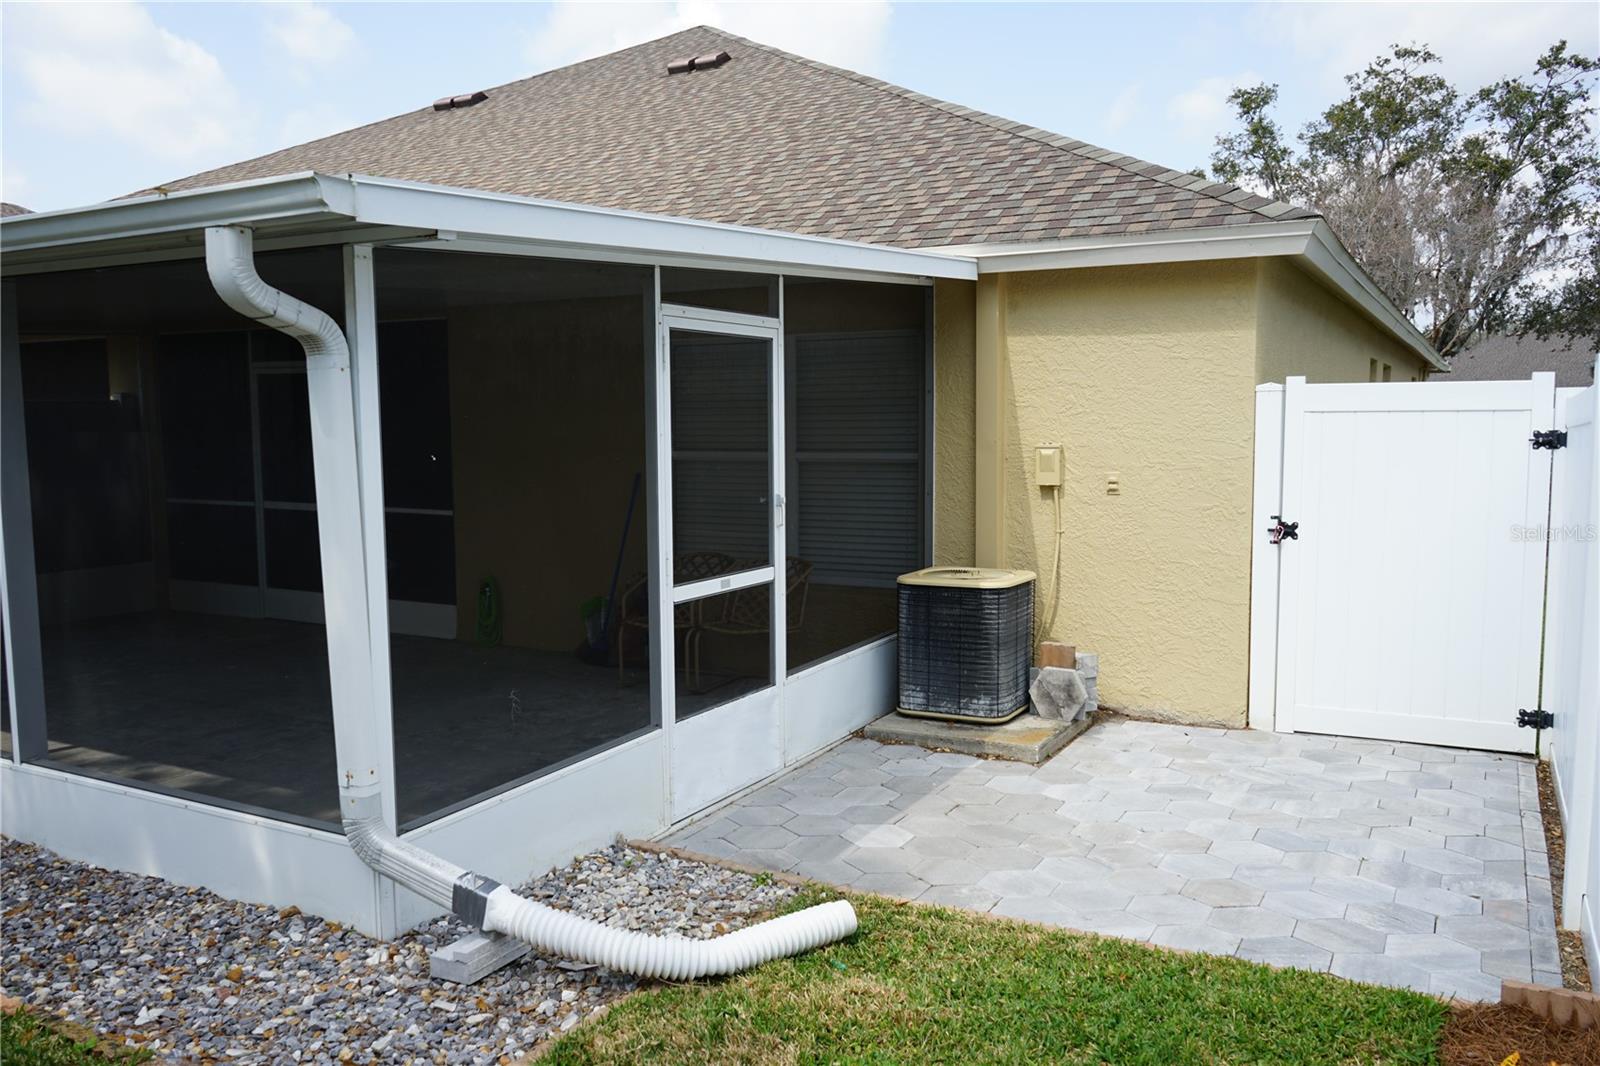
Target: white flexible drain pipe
[485,903]
[669,957]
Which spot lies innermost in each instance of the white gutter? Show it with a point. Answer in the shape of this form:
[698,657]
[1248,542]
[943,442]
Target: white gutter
[1134,249]
[485,903]
[299,197]
[128,229]
[568,229]
[1311,241]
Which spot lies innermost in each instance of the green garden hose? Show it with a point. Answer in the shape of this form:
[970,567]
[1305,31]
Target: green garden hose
[489,612]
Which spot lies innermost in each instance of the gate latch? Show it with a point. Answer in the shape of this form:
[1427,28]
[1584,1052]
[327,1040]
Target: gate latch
[1281,531]
[1535,719]
[1548,438]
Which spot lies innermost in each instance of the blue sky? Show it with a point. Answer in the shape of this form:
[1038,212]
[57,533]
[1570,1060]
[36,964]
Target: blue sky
[99,100]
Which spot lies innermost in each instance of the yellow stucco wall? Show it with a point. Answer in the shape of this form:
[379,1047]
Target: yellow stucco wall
[954,414]
[541,482]
[1146,373]
[1307,330]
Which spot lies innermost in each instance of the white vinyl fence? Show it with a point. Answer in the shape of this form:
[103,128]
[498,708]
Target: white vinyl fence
[1571,656]
[1442,582]
[1409,597]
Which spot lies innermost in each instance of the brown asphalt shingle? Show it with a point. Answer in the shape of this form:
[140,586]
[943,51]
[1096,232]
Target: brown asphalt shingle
[1506,358]
[775,141]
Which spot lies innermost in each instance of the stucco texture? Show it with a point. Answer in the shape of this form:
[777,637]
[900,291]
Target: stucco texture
[541,482]
[1146,373]
[955,418]
[1306,330]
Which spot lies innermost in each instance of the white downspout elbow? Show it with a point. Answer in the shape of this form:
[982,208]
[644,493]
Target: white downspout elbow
[481,901]
[230,262]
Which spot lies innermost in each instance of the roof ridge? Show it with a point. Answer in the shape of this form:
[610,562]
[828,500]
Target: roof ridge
[1227,192]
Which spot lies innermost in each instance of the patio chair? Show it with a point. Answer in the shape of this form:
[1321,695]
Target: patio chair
[748,612]
[634,603]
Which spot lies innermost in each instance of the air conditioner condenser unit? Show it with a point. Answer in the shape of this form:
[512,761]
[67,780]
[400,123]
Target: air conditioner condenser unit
[966,640]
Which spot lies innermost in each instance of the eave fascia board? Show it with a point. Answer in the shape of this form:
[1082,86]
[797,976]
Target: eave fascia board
[412,208]
[478,215]
[1137,249]
[306,196]
[1326,257]
[1310,241]
[190,244]
[450,241]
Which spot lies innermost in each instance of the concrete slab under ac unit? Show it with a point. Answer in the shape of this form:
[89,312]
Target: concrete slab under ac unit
[1026,738]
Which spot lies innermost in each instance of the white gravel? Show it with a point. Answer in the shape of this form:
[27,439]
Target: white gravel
[192,975]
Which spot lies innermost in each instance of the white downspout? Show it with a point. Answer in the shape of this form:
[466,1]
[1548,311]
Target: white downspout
[483,902]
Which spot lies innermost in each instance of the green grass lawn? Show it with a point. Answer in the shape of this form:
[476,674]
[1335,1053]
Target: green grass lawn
[929,985]
[28,1040]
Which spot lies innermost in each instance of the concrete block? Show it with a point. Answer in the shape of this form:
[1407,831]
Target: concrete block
[1089,670]
[475,956]
[1057,693]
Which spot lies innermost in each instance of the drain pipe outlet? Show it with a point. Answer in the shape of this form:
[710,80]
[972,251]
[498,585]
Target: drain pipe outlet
[478,900]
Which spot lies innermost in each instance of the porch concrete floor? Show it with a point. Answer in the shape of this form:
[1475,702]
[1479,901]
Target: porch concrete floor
[1395,864]
[238,709]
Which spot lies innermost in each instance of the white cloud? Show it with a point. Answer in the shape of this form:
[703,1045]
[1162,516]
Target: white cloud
[310,33]
[15,186]
[847,35]
[304,124]
[107,70]
[1478,42]
[1124,107]
[1203,108]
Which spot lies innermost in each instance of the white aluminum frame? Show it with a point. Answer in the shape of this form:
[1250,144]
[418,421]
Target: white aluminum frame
[19,592]
[313,208]
[722,748]
[624,787]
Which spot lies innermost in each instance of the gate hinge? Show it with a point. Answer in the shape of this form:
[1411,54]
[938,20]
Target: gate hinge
[1281,531]
[1535,719]
[1549,438]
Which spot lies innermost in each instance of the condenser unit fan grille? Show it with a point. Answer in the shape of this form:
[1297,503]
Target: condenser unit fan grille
[965,642]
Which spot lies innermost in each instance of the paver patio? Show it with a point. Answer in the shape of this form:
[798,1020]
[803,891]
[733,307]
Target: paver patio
[1397,864]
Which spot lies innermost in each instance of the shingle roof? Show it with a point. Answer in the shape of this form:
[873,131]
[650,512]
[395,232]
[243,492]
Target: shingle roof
[7,210]
[776,141]
[1504,358]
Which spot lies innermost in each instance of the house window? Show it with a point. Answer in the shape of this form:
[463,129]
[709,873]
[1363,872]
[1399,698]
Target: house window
[856,428]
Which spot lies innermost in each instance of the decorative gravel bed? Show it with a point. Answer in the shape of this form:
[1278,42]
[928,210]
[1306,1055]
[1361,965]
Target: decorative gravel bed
[192,975]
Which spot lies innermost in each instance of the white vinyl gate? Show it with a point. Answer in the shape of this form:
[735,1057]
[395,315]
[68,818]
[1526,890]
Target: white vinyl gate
[1572,660]
[1409,605]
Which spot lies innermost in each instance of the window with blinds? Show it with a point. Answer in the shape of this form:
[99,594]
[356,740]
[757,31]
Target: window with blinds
[856,410]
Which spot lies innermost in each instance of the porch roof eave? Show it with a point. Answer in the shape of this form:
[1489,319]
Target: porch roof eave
[310,208]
